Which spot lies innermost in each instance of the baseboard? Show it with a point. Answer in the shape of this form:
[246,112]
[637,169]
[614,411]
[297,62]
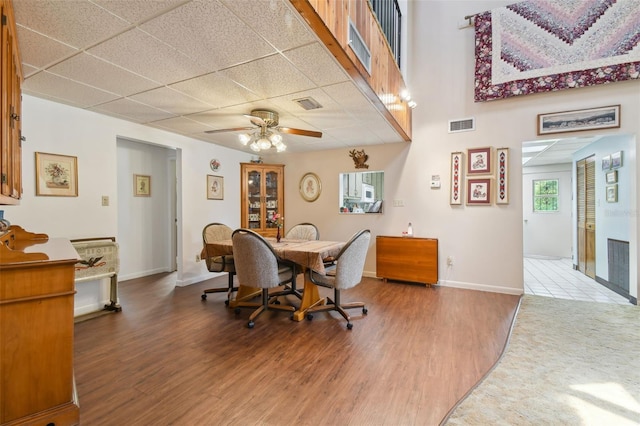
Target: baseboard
[482,287]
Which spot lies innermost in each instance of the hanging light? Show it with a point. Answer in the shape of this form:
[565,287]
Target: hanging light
[244,138]
[262,139]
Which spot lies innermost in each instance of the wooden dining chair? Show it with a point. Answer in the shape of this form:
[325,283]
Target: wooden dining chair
[211,233]
[347,273]
[258,265]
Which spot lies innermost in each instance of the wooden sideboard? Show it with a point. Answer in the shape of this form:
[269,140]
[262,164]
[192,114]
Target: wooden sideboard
[407,259]
[36,330]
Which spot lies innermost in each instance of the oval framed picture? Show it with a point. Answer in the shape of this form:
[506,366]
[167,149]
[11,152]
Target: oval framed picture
[310,187]
[215,164]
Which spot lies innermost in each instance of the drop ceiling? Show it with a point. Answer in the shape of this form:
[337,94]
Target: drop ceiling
[553,151]
[188,66]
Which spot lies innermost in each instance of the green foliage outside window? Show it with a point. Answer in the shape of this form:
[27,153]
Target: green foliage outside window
[545,195]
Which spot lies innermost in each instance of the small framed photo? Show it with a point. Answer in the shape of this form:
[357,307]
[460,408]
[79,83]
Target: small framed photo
[577,120]
[612,193]
[215,187]
[479,192]
[479,161]
[616,160]
[606,162]
[612,177]
[142,185]
[457,182]
[56,175]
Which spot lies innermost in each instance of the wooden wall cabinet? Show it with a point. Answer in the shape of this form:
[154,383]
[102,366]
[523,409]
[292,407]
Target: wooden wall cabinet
[262,187]
[407,259]
[10,109]
[36,330]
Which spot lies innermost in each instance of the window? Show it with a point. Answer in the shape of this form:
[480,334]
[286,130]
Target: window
[545,195]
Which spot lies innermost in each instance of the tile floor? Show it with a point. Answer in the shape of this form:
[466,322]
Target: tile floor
[555,277]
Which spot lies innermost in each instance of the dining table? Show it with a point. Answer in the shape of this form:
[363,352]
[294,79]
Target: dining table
[308,254]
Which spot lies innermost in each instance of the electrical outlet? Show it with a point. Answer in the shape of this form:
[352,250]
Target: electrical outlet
[197,258]
[398,203]
[105,200]
[450,261]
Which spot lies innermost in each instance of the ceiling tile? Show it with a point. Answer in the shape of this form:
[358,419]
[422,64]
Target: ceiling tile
[274,20]
[232,43]
[69,90]
[170,100]
[315,63]
[269,77]
[134,111]
[140,53]
[104,75]
[27,70]
[38,50]
[78,23]
[136,11]
[180,125]
[215,89]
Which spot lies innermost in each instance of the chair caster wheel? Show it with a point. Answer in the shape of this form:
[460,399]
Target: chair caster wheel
[365,311]
[237,311]
[309,317]
[276,302]
[251,324]
[349,325]
[203,297]
[226,302]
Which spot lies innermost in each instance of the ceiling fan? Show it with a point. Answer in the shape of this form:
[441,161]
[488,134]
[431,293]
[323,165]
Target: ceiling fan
[266,131]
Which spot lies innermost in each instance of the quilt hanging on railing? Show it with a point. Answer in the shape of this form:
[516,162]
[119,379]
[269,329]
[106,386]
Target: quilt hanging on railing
[546,45]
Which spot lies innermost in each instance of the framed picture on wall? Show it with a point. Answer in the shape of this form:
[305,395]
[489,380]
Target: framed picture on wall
[616,160]
[457,169]
[479,192]
[577,120]
[479,161]
[56,175]
[142,186]
[502,183]
[606,162]
[612,193]
[215,187]
[612,177]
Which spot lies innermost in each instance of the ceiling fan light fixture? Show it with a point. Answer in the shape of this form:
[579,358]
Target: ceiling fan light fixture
[281,147]
[254,147]
[264,143]
[244,138]
[275,139]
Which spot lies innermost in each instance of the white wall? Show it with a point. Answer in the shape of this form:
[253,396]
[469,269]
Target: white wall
[547,233]
[92,138]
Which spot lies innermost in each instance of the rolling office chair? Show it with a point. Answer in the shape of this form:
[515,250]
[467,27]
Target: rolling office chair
[347,274]
[257,265]
[218,232]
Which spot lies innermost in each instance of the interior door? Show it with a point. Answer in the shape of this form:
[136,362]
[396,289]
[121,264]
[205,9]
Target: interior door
[586,208]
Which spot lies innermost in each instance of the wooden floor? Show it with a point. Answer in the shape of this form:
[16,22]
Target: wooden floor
[171,359]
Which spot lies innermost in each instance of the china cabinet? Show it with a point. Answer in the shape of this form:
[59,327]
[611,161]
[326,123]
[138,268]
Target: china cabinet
[10,109]
[262,187]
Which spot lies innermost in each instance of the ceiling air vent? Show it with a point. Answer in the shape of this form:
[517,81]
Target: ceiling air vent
[462,125]
[359,47]
[308,103]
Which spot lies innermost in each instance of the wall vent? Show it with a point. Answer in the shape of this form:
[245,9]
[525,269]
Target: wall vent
[308,103]
[462,125]
[359,47]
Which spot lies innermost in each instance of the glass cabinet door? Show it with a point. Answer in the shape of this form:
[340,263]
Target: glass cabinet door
[272,197]
[254,194]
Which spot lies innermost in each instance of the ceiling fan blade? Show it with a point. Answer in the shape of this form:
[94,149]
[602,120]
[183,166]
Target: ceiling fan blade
[235,129]
[256,120]
[300,132]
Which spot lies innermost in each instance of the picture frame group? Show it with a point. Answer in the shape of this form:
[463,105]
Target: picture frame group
[480,183]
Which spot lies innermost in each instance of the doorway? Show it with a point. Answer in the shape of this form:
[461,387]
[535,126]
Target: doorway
[565,256]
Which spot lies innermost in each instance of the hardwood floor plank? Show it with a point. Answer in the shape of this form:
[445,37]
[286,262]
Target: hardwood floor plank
[170,358]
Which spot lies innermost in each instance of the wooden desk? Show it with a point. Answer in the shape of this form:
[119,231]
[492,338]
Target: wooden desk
[407,259]
[36,330]
[307,254]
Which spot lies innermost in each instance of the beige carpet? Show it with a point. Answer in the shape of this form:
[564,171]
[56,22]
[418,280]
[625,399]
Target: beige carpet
[566,363]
